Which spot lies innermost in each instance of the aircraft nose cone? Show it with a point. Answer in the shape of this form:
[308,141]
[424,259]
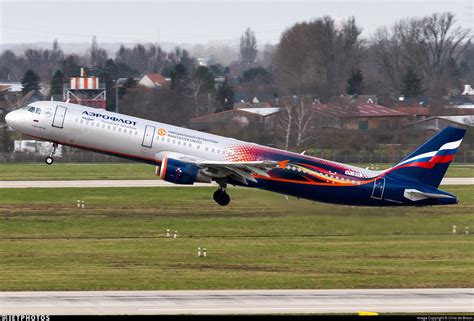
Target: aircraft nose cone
[12,118]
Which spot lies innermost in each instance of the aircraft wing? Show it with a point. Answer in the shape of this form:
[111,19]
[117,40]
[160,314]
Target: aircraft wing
[241,171]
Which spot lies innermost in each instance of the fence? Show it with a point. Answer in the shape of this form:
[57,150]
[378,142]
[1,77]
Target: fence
[80,156]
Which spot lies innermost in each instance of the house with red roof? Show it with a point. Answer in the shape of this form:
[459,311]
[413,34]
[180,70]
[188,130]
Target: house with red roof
[357,115]
[153,81]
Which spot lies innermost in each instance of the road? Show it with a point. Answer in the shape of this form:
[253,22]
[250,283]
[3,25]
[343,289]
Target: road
[150,183]
[238,301]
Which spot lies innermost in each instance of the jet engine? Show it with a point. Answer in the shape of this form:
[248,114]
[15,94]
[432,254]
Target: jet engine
[178,172]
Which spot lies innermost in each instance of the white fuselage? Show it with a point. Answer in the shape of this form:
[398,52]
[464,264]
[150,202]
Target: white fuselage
[119,134]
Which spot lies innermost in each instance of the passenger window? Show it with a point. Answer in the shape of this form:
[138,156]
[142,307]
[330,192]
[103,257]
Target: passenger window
[120,129]
[82,121]
[179,142]
[114,128]
[31,109]
[38,110]
[108,126]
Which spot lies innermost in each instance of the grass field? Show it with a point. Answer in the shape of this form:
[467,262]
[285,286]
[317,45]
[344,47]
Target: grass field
[260,240]
[60,171]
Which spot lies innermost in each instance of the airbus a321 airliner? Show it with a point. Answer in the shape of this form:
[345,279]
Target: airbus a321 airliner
[184,156]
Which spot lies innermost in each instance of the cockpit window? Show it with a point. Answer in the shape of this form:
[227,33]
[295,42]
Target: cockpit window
[32,109]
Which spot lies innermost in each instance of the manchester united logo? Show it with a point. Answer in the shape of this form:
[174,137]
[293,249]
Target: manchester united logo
[162,132]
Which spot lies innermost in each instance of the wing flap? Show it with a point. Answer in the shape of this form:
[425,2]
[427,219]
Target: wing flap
[242,170]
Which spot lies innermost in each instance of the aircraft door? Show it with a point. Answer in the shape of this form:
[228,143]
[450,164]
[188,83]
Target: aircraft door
[379,187]
[148,136]
[59,115]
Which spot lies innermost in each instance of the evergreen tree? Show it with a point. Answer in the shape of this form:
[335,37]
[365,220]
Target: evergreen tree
[179,80]
[355,83]
[109,89]
[225,97]
[57,83]
[412,83]
[70,66]
[129,83]
[30,81]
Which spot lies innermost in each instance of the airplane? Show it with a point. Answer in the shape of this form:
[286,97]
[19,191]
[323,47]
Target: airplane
[184,156]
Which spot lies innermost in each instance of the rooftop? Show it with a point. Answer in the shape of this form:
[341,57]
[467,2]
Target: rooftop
[157,79]
[263,111]
[357,110]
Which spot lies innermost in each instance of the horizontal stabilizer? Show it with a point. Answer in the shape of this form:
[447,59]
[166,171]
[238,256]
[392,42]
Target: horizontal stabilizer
[416,195]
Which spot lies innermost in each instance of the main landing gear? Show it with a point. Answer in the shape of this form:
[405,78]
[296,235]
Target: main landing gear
[50,160]
[220,196]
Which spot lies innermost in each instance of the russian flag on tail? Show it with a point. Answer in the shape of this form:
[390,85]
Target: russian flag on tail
[429,162]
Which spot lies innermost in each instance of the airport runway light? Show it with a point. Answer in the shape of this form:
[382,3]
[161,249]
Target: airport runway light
[199,252]
[167,232]
[204,252]
[467,230]
[454,229]
[78,204]
[175,234]
[83,205]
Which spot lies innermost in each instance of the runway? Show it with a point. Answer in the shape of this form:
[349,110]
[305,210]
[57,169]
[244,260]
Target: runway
[238,302]
[150,183]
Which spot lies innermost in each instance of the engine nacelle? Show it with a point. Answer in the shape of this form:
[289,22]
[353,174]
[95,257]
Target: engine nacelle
[178,172]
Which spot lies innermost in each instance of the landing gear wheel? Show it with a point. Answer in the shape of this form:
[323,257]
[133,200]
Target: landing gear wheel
[221,197]
[49,160]
[217,194]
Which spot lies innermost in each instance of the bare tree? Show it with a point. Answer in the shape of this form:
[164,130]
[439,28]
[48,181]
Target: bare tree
[316,56]
[98,56]
[303,118]
[202,80]
[248,47]
[284,123]
[431,44]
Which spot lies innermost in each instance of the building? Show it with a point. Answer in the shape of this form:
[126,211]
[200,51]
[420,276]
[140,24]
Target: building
[203,61]
[86,91]
[347,99]
[468,90]
[262,118]
[13,86]
[153,81]
[417,108]
[440,122]
[357,116]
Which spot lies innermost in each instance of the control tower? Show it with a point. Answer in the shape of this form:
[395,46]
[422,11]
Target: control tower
[86,91]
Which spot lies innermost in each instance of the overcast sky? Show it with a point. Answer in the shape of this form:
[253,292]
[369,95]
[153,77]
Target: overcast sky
[185,21]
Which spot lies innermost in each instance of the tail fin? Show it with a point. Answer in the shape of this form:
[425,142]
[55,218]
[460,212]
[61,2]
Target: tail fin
[429,162]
